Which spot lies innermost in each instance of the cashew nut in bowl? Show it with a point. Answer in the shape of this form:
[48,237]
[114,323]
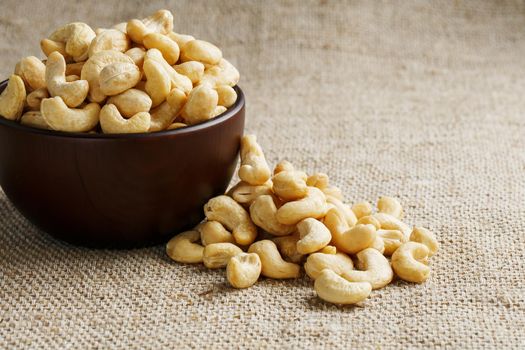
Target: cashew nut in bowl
[245,193]
[333,288]
[254,168]
[218,111]
[180,39]
[201,104]
[409,262]
[50,46]
[163,116]
[62,118]
[213,232]
[313,235]
[233,216]
[33,72]
[224,73]
[77,36]
[13,98]
[263,212]
[112,122]
[273,265]
[392,240]
[182,248]
[72,93]
[118,77]
[169,48]
[217,255]
[158,84]
[313,206]
[287,246]
[201,51]
[373,268]
[243,270]
[227,95]
[391,206]
[193,70]
[131,102]
[137,54]
[159,22]
[34,119]
[290,184]
[283,165]
[362,209]
[176,126]
[109,39]
[179,81]
[426,237]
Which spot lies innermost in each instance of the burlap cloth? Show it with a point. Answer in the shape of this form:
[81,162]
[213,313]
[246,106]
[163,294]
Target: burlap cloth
[423,101]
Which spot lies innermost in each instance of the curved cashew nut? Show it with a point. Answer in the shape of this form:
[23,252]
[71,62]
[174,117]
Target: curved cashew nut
[178,81]
[217,255]
[72,93]
[344,209]
[138,55]
[263,212]
[369,220]
[131,102]
[243,270]
[218,111]
[283,165]
[77,36]
[334,192]
[34,99]
[378,244]
[118,77]
[182,248]
[159,22]
[163,116]
[314,236]
[32,71]
[329,249]
[34,119]
[245,194]
[109,39]
[201,105]
[339,263]
[287,246]
[223,73]
[312,206]
[374,268]
[201,51]
[213,232]
[180,39]
[355,239]
[335,289]
[227,95]
[169,48]
[389,222]
[319,180]
[290,185]
[13,98]
[426,237]
[50,46]
[233,216]
[194,71]
[112,122]
[254,168]
[336,222]
[392,240]
[273,265]
[362,209]
[391,206]
[410,262]
[62,118]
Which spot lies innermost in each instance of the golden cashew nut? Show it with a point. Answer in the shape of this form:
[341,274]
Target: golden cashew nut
[179,81]
[201,105]
[336,222]
[362,209]
[218,111]
[217,255]
[319,180]
[409,262]
[182,248]
[344,209]
[287,246]
[333,288]
[243,270]
[50,46]
[391,206]
[72,93]
[339,263]
[233,216]
[137,54]
[74,68]
[131,102]
[273,265]
[77,36]
[313,235]
[245,194]
[35,98]
[227,95]
[109,39]
[355,239]
[283,165]
[213,232]
[201,51]
[290,185]
[62,118]
[373,268]
[369,220]
[193,70]
[168,48]
[118,77]
[329,249]
[34,119]
[312,206]
[180,39]
[389,222]
[159,22]
[254,168]
[13,98]
[426,237]
[32,71]
[378,244]
[263,212]
[112,122]
[163,116]
[334,192]
[223,73]
[392,240]
[158,84]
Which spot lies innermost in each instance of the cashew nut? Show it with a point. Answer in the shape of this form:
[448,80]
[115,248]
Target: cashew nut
[112,122]
[137,54]
[182,248]
[227,95]
[335,289]
[213,232]
[35,98]
[194,71]
[109,39]
[243,270]
[233,216]
[222,74]
[50,46]
[32,71]
[179,81]
[131,102]
[169,48]
[176,126]
[159,22]
[162,116]
[312,206]
[335,221]
[389,222]
[245,193]
[355,239]
[426,237]
[374,268]
[217,255]
[319,180]
[329,249]
[180,39]
[362,209]
[263,212]
[378,244]
[202,51]
[314,236]
[392,240]
[72,93]
[287,246]
[391,206]
[118,77]
[273,265]
[290,185]
[218,111]
[77,36]
[62,118]
[283,165]
[158,84]
[254,168]
[34,119]
[334,192]
[339,263]
[74,68]
[200,105]
[345,210]
[409,262]
[369,220]
[13,98]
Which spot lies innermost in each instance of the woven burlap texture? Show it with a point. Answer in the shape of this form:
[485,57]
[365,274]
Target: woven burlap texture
[419,100]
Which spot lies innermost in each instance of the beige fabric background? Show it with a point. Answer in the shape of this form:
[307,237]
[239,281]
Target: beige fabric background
[420,100]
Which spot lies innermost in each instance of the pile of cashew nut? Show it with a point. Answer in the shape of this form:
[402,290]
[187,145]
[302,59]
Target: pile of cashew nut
[270,224]
[136,77]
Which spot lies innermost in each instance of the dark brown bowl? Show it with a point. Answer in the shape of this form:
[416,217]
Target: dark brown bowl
[119,191]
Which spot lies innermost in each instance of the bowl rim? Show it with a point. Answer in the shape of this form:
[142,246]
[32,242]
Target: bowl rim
[229,113]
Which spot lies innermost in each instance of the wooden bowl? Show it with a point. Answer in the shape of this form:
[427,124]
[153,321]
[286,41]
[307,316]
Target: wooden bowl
[118,191]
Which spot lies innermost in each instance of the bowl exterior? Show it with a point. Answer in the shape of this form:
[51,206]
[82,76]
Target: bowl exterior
[118,192]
